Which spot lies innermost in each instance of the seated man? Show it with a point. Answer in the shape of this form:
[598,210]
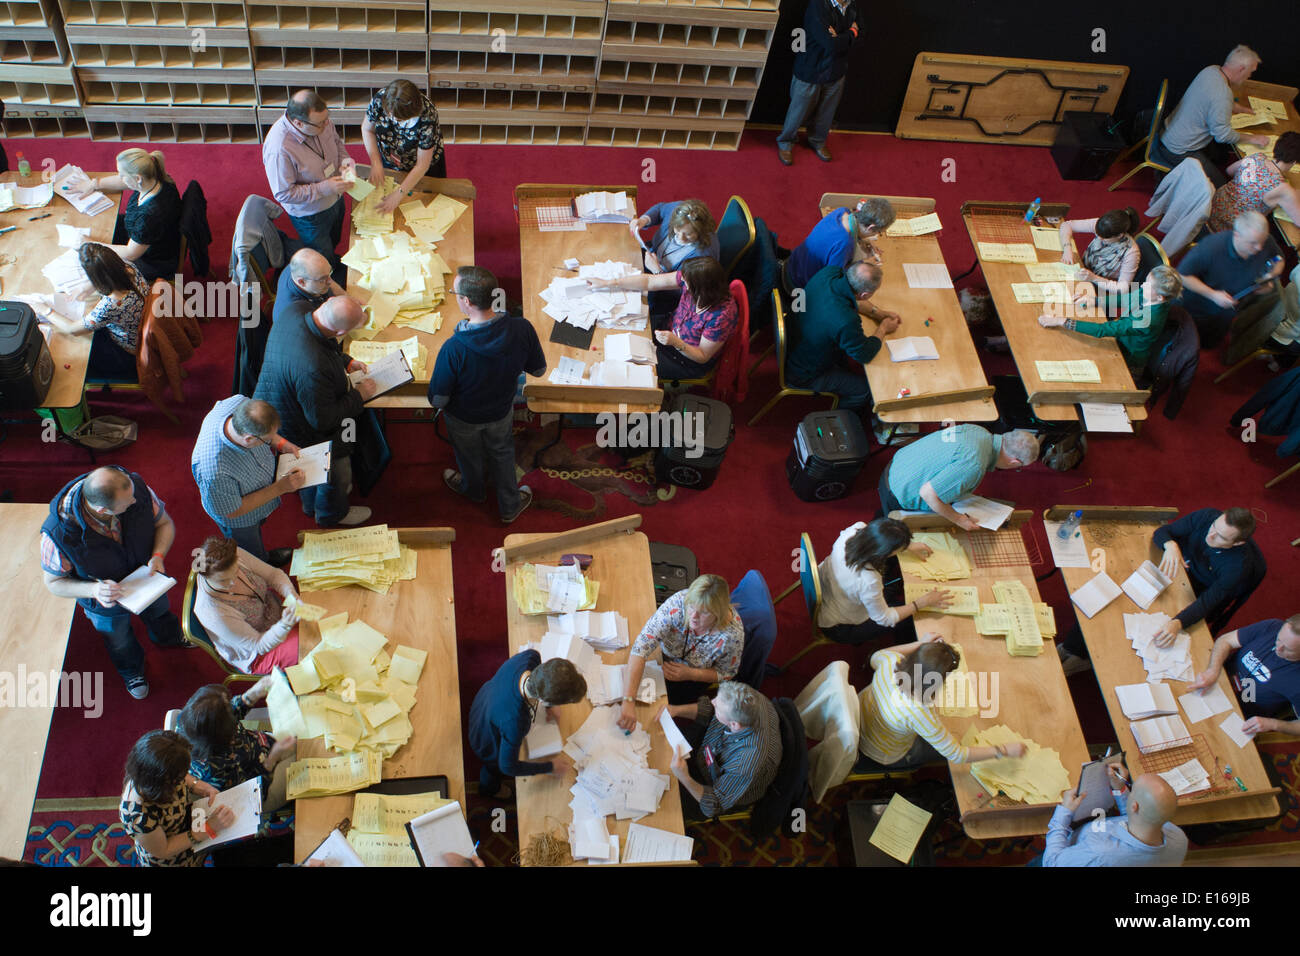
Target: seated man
[1205,114]
[1265,673]
[831,326]
[1224,266]
[841,236]
[1142,835]
[737,754]
[933,472]
[306,278]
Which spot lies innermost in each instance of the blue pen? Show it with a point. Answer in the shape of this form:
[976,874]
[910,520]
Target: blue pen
[475,853]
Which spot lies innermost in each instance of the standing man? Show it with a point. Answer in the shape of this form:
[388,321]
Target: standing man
[830,28]
[234,463]
[474,383]
[305,378]
[304,158]
[102,527]
[306,278]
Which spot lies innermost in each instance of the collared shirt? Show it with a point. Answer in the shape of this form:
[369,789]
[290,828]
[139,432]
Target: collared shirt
[669,629]
[226,472]
[744,763]
[1108,842]
[297,164]
[830,325]
[953,461]
[55,561]
[1204,113]
[851,596]
[892,718]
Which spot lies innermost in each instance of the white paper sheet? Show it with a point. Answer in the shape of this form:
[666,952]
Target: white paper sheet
[651,845]
[441,831]
[1096,594]
[990,514]
[1145,584]
[676,739]
[1233,727]
[1204,704]
[1072,553]
[142,587]
[245,800]
[912,348]
[1139,701]
[1103,417]
[927,275]
[314,462]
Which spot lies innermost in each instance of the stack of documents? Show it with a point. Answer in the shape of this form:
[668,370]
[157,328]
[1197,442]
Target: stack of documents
[1037,777]
[441,830]
[621,375]
[544,739]
[1075,370]
[650,845]
[1160,733]
[65,274]
[947,560]
[994,620]
[91,204]
[1008,252]
[367,220]
[554,589]
[13,196]
[371,557]
[568,371]
[1022,621]
[912,348]
[322,776]
[572,299]
[417,354]
[604,207]
[1140,701]
[1189,777]
[916,226]
[1045,237]
[1161,663]
[1028,293]
[1105,417]
[989,514]
[1050,271]
[245,801]
[1095,595]
[314,462]
[965,598]
[603,630]
[142,587]
[406,280]
[1145,584]
[431,223]
[379,821]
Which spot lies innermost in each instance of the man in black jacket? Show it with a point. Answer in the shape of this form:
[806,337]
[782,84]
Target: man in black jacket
[305,378]
[821,62]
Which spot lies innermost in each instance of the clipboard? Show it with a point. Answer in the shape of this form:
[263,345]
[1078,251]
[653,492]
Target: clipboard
[1094,780]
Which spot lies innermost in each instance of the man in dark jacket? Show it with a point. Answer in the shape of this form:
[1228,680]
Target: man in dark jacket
[821,62]
[102,527]
[474,383]
[305,378]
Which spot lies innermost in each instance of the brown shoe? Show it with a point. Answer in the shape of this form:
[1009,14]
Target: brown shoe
[823,154]
[787,156]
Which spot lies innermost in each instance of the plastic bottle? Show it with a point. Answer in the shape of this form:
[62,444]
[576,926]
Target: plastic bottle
[1032,211]
[24,167]
[1069,526]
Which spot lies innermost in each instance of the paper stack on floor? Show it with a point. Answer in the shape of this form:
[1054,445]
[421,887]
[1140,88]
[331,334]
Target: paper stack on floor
[1037,777]
[1161,663]
[371,557]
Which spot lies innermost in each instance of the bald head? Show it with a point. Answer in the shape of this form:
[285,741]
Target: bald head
[1152,801]
[310,271]
[306,105]
[108,489]
[340,315]
[1249,233]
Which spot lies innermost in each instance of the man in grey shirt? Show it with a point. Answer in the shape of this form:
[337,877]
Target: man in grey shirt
[1205,114]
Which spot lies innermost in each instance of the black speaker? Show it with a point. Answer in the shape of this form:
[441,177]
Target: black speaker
[1086,145]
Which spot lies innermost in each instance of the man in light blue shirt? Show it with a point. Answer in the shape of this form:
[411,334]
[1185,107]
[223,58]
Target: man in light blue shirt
[1141,836]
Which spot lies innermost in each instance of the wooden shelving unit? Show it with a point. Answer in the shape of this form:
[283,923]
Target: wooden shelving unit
[172,124]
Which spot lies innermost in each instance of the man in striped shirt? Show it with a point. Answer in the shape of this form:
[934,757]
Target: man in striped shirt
[737,758]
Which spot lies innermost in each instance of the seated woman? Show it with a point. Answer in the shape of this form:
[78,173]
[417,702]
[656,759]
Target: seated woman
[1259,182]
[898,723]
[1112,258]
[224,753]
[401,133]
[690,342]
[854,609]
[151,225]
[246,606]
[1143,313]
[155,811]
[701,637]
[686,231]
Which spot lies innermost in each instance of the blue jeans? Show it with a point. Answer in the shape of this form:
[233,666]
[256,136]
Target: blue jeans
[323,231]
[851,387]
[328,503]
[493,444]
[803,97]
[114,625]
[249,537]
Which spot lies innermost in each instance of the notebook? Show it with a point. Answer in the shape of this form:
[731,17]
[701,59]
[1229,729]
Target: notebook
[440,831]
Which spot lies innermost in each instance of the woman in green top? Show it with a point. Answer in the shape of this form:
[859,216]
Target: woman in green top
[1141,321]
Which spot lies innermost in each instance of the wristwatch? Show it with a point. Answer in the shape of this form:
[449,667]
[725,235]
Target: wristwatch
[629,700]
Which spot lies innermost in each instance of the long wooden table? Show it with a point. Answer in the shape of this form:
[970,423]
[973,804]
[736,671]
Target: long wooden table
[1031,697]
[621,563]
[953,388]
[1029,341]
[1125,536]
[37,646]
[457,249]
[1284,94]
[542,256]
[421,614]
[26,251]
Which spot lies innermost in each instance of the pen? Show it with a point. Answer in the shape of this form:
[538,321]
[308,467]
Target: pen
[7,229]
[476,844]
[34,218]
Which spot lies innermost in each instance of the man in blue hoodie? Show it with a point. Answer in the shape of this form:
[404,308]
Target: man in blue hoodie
[474,383]
[821,62]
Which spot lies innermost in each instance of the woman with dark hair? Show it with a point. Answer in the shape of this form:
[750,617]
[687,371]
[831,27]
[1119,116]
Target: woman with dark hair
[1259,183]
[854,608]
[246,606]
[401,133]
[224,753]
[686,231]
[155,810]
[1112,258]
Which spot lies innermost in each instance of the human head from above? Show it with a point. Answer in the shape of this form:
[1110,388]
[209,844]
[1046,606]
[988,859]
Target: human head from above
[1286,151]
[476,291]
[310,271]
[871,217]
[140,170]
[1231,529]
[692,224]
[157,765]
[104,268]
[308,112]
[403,101]
[706,282]
[339,315]
[1162,284]
[253,422]
[208,722]
[108,491]
[921,673]
[1151,801]
[555,683]
[218,561]
[864,278]
[873,545]
[1118,224]
[1240,64]
[1019,448]
[707,606]
[735,705]
[1287,644]
[1249,233]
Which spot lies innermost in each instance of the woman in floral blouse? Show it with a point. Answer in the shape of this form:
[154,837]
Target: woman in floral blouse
[701,637]
[116,320]
[401,133]
[155,810]
[1259,182]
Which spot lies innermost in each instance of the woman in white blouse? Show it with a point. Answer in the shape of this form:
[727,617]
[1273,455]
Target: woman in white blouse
[247,607]
[854,609]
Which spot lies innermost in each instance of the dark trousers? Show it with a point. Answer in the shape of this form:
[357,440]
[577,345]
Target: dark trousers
[114,625]
[323,231]
[108,360]
[888,502]
[328,503]
[673,365]
[489,780]
[686,691]
[1206,156]
[1213,326]
[248,537]
[486,452]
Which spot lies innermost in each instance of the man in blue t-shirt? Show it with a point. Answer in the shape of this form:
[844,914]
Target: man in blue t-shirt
[1220,273]
[474,383]
[1266,673]
[841,236]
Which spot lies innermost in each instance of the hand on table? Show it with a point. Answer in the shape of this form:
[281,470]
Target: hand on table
[889,323]
[939,598]
[560,765]
[390,202]
[1016,748]
[966,522]
[627,716]
[1067,255]
[1171,629]
[1261,725]
[922,551]
[1051,321]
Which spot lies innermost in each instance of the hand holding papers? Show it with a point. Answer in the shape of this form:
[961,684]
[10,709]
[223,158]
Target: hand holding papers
[244,801]
[1173,662]
[1204,704]
[314,462]
[142,587]
[390,372]
[1234,727]
[986,512]
[440,831]
[677,742]
[66,182]
[1145,584]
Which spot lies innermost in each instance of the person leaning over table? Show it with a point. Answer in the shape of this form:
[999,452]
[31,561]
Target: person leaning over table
[686,230]
[150,227]
[1112,259]
[401,133]
[1142,834]
[898,722]
[224,753]
[1259,182]
[1221,267]
[305,278]
[854,608]
[504,710]
[1265,673]
[701,638]
[246,606]
[155,810]
[945,466]
[842,236]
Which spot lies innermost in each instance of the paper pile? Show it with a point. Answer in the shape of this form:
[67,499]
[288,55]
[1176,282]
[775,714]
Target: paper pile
[1075,370]
[417,354]
[405,277]
[13,196]
[994,620]
[1037,777]
[1093,596]
[621,374]
[603,630]
[379,821]
[1140,701]
[965,598]
[1189,777]
[960,693]
[916,226]
[604,207]
[431,223]
[371,557]
[321,776]
[1145,584]
[651,845]
[1161,663]
[571,299]
[66,275]
[91,204]
[1160,733]
[367,220]
[947,560]
[554,589]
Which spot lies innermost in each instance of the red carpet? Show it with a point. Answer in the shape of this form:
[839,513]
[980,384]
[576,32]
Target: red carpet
[749,518]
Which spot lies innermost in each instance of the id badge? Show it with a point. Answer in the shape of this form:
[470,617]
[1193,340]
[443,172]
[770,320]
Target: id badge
[708,756]
[329,170]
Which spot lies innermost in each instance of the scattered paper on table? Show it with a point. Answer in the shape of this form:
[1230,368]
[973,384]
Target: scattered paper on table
[1204,704]
[927,275]
[1234,727]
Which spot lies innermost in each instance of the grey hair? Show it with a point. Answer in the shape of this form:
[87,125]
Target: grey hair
[863,277]
[874,212]
[299,263]
[1250,222]
[1242,55]
[1021,445]
[741,700]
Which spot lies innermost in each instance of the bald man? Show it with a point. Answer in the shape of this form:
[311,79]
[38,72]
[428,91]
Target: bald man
[306,279]
[103,526]
[1140,836]
[1220,275]
[305,378]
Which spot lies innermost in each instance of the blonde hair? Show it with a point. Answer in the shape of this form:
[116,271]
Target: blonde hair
[709,592]
[1167,282]
[696,215]
[741,700]
[138,162]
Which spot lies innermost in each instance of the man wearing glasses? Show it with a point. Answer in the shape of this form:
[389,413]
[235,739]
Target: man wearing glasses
[305,158]
[306,279]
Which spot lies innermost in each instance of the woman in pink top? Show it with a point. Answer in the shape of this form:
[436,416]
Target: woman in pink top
[1259,183]
[247,607]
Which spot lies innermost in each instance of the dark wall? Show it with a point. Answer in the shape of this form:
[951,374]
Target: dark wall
[1154,39]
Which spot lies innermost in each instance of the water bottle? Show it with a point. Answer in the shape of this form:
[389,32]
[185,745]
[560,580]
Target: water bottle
[1032,211]
[1069,526]
[24,167]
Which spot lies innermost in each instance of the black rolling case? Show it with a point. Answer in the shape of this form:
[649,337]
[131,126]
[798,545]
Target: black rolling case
[26,366]
[673,567]
[829,450]
[674,463]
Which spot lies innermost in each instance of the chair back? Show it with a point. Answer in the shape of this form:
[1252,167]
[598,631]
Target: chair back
[735,234]
[753,602]
[809,581]
[778,332]
[194,631]
[1150,255]
[730,383]
[256,257]
[789,788]
[1157,123]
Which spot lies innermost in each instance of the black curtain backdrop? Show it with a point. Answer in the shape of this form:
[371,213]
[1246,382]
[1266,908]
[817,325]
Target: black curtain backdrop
[1155,40]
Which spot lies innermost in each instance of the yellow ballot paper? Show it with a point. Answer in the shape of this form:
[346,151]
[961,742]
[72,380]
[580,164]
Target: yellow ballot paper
[947,560]
[1046,238]
[389,813]
[965,598]
[307,612]
[916,226]
[1023,252]
[960,691]
[383,849]
[1037,778]
[303,677]
[900,828]
[1050,271]
[360,189]
[321,776]
[1030,293]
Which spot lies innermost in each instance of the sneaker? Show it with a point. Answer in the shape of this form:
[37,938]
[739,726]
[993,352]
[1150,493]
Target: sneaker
[137,687]
[525,499]
[451,478]
[357,514]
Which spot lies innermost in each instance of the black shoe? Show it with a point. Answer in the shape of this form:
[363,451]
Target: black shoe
[137,687]
[279,557]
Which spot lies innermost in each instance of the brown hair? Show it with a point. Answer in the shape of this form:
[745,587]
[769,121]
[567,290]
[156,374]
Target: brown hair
[104,268]
[1287,147]
[402,99]
[1241,521]
[208,722]
[303,103]
[157,765]
[1118,222]
[478,285]
[557,681]
[693,213]
[218,554]
[872,546]
[706,282]
[928,665]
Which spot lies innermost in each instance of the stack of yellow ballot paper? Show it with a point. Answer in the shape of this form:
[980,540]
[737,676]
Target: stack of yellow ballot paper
[947,560]
[960,694]
[1019,619]
[322,776]
[417,355]
[965,599]
[551,589]
[1037,777]
[406,279]
[994,620]
[367,220]
[371,557]
[379,821]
